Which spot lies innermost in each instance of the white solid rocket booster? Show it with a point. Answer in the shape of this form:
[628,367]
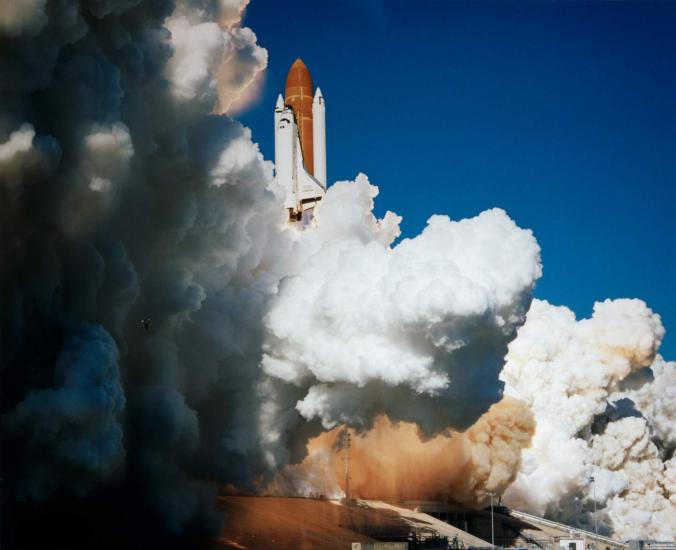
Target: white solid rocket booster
[319,132]
[279,109]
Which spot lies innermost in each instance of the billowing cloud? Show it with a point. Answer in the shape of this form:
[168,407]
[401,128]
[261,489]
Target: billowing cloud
[141,241]
[106,156]
[392,461]
[164,332]
[25,17]
[416,330]
[656,400]
[231,12]
[219,66]
[23,156]
[573,375]
[73,430]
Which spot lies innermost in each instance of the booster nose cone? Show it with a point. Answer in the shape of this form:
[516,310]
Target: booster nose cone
[299,97]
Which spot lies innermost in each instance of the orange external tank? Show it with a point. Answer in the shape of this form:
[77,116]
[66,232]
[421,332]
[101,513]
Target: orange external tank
[298,96]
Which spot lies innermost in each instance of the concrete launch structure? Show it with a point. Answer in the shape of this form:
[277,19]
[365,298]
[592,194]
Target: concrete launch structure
[300,144]
[316,523]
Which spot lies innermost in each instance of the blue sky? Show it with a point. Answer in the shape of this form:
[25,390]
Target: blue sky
[563,114]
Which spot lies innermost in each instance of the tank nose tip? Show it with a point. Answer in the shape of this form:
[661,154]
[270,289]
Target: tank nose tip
[299,75]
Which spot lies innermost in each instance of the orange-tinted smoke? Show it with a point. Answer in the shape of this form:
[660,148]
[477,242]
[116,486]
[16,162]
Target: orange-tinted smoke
[231,12]
[392,461]
[240,77]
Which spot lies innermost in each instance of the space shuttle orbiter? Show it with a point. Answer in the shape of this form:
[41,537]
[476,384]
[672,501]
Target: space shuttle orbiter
[300,144]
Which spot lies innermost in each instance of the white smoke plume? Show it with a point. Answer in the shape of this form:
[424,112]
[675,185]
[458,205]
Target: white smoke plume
[231,12]
[106,156]
[216,63]
[19,144]
[22,156]
[573,375]
[656,400]
[644,508]
[416,330]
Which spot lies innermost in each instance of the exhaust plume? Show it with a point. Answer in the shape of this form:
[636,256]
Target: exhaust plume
[416,331]
[393,461]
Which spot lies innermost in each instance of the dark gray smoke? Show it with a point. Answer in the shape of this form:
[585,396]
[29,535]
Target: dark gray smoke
[132,287]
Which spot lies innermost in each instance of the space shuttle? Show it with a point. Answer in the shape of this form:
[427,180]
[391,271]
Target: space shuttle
[300,144]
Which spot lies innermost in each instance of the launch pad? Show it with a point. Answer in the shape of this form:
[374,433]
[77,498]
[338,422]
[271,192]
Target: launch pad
[256,522]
